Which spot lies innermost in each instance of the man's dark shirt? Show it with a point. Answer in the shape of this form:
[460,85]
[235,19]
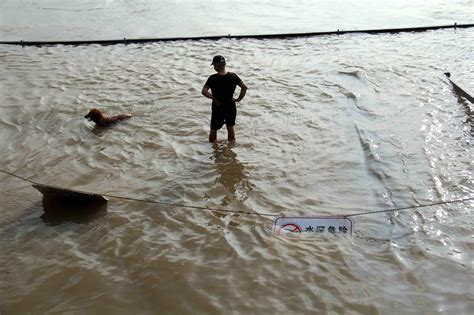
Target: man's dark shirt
[223,86]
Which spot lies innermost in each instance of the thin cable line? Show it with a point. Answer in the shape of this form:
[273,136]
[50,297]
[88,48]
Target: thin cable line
[153,201]
[19,177]
[252,213]
[410,207]
[191,207]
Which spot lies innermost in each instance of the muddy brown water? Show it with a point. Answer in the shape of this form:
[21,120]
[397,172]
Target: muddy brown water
[329,126]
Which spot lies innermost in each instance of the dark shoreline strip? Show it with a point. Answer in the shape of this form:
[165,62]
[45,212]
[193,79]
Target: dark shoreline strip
[264,36]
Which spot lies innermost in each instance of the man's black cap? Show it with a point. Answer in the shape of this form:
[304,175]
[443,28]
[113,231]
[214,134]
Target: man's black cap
[218,60]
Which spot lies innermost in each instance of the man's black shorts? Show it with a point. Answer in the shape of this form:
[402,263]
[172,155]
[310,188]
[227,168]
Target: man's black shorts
[223,114]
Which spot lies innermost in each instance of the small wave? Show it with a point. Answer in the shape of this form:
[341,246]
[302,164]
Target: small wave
[352,73]
[351,95]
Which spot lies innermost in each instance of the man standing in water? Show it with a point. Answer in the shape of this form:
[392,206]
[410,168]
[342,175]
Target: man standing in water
[222,85]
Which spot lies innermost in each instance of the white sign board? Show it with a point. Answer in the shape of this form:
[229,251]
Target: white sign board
[334,225]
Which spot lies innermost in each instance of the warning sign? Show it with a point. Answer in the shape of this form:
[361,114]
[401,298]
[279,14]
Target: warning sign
[333,225]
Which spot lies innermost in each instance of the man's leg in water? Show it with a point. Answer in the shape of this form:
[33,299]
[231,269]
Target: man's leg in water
[230,134]
[212,135]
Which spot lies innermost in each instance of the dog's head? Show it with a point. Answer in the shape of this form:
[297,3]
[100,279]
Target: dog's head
[94,114]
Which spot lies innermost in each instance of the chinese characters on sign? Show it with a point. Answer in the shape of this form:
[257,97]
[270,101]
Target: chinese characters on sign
[330,229]
[333,225]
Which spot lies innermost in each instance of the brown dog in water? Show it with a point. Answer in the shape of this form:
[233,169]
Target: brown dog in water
[103,120]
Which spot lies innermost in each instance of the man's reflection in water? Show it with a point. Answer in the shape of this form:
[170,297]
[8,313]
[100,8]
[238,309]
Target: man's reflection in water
[231,174]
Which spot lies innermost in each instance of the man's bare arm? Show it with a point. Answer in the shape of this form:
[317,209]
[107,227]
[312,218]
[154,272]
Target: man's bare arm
[206,93]
[243,91]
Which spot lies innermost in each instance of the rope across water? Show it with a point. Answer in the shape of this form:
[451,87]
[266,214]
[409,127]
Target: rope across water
[247,212]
